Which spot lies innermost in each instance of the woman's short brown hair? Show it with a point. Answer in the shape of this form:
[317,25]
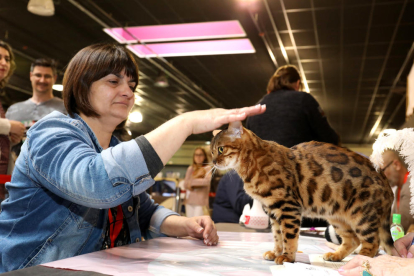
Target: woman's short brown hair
[284,78]
[8,48]
[89,65]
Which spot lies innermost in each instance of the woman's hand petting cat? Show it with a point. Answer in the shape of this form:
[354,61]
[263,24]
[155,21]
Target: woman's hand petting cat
[384,265]
[197,227]
[403,248]
[207,120]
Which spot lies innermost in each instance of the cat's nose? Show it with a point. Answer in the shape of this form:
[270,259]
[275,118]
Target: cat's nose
[214,161]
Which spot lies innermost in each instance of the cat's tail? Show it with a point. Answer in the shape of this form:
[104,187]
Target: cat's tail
[386,240]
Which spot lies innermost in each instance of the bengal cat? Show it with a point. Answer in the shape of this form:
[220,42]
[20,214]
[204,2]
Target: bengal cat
[311,179]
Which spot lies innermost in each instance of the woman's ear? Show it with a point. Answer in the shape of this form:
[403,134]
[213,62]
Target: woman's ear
[297,85]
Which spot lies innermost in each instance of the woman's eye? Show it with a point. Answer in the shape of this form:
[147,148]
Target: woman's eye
[132,88]
[220,150]
[113,81]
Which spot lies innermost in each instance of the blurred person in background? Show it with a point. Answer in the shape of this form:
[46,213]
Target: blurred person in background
[399,178]
[230,199]
[11,132]
[197,183]
[43,75]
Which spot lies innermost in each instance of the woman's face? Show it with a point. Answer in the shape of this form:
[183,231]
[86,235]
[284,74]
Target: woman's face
[199,157]
[112,97]
[4,63]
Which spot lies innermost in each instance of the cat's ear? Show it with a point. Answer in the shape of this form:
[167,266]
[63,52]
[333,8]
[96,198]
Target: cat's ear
[216,131]
[235,129]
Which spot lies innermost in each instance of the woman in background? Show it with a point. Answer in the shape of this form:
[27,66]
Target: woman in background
[9,130]
[197,182]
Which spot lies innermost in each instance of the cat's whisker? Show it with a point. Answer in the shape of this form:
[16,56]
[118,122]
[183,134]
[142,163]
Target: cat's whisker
[212,168]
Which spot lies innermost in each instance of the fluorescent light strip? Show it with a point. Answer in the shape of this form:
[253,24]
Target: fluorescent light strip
[194,48]
[176,32]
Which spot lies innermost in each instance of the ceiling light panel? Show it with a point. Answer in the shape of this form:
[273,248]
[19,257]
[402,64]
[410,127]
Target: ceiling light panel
[194,48]
[175,32]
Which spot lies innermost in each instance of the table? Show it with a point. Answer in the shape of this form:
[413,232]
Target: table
[238,253]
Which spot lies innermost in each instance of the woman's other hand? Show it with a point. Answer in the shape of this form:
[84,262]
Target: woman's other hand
[202,228]
[403,248]
[197,227]
[17,129]
[15,139]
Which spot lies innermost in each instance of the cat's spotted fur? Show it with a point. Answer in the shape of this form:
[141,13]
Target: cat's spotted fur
[311,179]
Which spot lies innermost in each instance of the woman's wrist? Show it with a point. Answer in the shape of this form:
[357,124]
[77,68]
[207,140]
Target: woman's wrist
[186,121]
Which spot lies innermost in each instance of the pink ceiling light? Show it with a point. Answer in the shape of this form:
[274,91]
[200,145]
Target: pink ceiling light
[194,48]
[174,32]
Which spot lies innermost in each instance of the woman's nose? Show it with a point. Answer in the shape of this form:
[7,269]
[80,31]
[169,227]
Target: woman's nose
[127,91]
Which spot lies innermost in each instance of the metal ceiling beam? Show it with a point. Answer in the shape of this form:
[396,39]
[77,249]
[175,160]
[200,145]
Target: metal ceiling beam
[361,70]
[334,7]
[380,76]
[292,38]
[206,98]
[279,40]
[315,28]
[395,112]
[304,47]
[341,65]
[394,84]
[262,34]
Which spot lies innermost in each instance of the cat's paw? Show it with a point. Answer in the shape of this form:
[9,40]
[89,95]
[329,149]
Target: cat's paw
[269,255]
[332,256]
[283,259]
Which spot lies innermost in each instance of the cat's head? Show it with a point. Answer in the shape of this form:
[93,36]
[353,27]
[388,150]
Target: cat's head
[226,145]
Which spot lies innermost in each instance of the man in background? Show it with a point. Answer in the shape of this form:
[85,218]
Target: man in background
[398,176]
[43,75]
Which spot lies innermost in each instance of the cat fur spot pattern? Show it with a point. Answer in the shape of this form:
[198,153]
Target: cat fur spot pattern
[312,179]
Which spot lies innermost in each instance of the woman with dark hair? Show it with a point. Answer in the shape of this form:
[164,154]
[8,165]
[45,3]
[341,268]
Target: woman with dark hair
[197,182]
[292,116]
[76,188]
[9,130]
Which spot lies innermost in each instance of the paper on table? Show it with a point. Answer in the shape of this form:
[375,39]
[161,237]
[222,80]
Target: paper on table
[289,269]
[317,260]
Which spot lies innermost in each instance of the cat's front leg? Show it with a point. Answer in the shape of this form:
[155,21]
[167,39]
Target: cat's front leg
[289,226]
[277,236]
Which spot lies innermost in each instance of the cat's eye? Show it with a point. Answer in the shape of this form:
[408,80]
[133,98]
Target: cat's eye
[220,150]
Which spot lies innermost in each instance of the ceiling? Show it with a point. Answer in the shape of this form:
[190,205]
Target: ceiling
[355,54]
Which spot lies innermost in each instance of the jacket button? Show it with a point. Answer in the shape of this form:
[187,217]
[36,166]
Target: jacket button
[137,240]
[130,209]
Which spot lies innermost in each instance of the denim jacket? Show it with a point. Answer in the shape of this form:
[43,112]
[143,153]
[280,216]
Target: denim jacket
[61,189]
